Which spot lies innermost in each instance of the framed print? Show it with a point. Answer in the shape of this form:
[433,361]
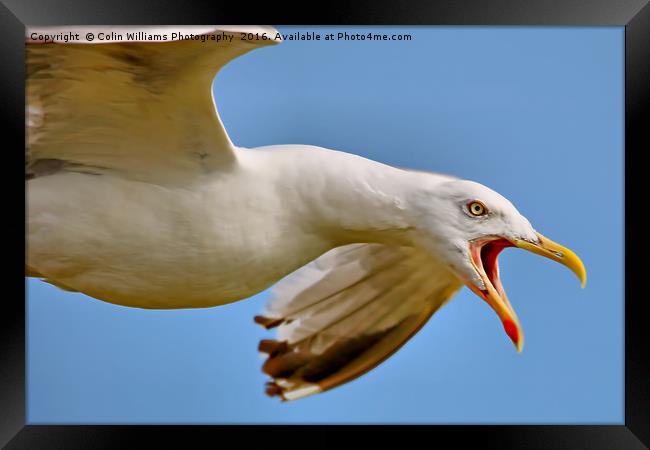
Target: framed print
[362,169]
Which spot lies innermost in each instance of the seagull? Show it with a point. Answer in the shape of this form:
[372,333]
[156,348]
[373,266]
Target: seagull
[136,196]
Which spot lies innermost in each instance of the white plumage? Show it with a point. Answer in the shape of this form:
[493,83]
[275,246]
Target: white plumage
[137,196]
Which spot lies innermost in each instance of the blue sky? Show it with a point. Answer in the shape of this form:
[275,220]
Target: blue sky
[534,113]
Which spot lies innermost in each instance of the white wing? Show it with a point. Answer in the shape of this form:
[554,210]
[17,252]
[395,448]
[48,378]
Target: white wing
[346,312]
[142,109]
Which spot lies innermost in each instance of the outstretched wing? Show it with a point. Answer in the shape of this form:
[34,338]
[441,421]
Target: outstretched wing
[140,108]
[346,312]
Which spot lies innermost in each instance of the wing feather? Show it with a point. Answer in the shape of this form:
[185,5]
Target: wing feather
[346,312]
[142,109]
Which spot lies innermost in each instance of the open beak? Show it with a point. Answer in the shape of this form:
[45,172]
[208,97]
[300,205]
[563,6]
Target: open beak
[484,253]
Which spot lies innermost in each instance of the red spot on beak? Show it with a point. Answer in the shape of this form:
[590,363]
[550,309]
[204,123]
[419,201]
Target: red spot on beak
[511,330]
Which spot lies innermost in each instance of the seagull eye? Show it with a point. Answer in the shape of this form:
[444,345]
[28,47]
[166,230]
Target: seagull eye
[476,208]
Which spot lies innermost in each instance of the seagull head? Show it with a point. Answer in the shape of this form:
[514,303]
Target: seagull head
[468,226]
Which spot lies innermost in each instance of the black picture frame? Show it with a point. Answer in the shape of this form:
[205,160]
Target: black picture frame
[634,15]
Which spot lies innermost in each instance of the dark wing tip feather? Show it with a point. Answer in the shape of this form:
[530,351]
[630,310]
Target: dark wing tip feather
[273,347]
[268,322]
[272,389]
[298,366]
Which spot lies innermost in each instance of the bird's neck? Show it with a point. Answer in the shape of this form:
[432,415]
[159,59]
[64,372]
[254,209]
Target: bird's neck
[347,198]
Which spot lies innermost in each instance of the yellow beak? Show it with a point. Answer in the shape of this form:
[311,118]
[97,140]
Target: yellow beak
[484,253]
[556,252]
